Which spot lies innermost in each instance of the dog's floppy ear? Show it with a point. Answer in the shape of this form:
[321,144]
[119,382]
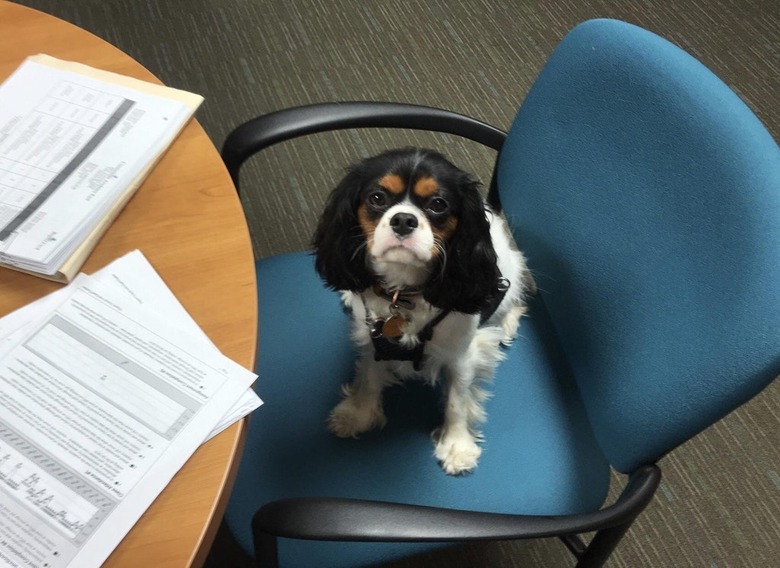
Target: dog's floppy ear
[470,272]
[339,243]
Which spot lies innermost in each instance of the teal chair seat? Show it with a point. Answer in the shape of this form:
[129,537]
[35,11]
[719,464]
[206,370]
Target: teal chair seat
[537,428]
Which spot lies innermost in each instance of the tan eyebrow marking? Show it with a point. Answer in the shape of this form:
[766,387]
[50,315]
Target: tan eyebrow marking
[425,187]
[393,183]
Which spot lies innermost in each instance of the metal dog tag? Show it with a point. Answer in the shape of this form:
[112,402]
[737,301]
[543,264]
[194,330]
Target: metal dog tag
[392,327]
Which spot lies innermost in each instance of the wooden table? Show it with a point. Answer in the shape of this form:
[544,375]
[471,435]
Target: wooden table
[187,220]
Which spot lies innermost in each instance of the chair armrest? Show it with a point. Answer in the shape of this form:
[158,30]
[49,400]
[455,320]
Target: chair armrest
[267,130]
[357,520]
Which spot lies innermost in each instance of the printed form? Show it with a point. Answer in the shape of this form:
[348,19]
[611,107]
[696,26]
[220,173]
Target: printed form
[101,402]
[70,146]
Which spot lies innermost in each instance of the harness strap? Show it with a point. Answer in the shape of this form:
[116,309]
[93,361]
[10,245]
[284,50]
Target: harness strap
[386,349]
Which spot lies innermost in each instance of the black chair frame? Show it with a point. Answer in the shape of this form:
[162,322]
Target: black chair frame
[267,130]
[352,520]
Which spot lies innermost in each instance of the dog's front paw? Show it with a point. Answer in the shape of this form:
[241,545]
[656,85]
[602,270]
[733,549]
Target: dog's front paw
[458,453]
[349,418]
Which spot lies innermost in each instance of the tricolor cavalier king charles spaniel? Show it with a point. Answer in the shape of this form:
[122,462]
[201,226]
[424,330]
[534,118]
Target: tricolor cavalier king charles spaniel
[434,285]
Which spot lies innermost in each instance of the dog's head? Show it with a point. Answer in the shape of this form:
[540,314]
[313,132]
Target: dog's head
[409,218]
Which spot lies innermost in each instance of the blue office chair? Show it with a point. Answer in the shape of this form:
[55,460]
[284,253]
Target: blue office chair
[646,196]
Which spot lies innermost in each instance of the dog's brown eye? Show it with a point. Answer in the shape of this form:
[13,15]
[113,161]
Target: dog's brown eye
[377,199]
[438,206]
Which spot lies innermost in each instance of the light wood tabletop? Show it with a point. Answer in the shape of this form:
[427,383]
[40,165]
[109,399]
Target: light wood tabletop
[187,220]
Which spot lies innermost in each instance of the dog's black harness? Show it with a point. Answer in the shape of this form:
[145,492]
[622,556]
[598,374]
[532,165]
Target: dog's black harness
[387,348]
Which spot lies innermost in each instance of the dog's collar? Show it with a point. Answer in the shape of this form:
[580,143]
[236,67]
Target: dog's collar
[402,298]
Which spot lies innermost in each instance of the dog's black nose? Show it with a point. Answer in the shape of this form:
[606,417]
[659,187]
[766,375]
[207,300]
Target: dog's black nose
[403,223]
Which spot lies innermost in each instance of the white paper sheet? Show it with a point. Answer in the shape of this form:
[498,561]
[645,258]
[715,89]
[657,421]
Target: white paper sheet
[102,400]
[131,278]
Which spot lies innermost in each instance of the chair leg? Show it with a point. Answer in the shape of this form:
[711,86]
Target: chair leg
[266,550]
[601,547]
[574,543]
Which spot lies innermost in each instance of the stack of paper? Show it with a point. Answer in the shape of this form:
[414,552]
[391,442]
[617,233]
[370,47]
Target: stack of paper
[75,144]
[107,387]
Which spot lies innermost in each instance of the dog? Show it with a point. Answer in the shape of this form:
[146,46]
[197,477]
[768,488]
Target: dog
[434,285]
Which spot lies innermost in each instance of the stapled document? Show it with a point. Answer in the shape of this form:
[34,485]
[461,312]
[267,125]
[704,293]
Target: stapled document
[75,145]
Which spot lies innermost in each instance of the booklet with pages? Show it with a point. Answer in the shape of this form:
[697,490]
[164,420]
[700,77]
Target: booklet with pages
[75,144]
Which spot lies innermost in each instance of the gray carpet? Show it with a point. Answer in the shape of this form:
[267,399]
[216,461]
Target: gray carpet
[719,504]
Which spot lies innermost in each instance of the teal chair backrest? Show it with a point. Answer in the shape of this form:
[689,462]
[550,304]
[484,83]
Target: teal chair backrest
[647,197]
